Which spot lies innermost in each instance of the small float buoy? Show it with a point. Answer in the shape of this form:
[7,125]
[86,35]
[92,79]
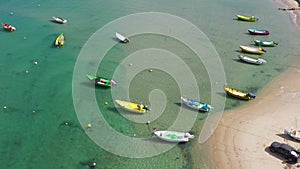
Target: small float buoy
[106,103]
[4,107]
[148,122]
[89,125]
[24,37]
[150,70]
[11,13]
[35,62]
[134,135]
[26,71]
[38,5]
[130,64]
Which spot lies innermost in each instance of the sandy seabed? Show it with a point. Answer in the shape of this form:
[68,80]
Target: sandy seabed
[244,134]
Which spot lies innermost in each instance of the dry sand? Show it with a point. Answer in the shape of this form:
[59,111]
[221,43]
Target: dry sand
[242,138]
[243,135]
[289,4]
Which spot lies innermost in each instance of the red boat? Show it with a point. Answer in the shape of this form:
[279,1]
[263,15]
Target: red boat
[258,32]
[9,28]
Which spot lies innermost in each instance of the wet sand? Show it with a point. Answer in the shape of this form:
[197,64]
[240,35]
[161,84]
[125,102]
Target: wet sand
[244,134]
[293,7]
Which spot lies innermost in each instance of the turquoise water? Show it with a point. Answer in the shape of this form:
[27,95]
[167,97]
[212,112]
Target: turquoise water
[39,103]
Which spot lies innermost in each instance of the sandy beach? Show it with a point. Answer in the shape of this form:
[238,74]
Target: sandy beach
[291,4]
[244,134]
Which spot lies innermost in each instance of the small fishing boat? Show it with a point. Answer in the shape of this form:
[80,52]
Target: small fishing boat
[258,32]
[8,27]
[133,107]
[293,133]
[173,136]
[252,50]
[249,59]
[239,93]
[59,19]
[247,18]
[101,81]
[60,40]
[196,104]
[122,38]
[265,43]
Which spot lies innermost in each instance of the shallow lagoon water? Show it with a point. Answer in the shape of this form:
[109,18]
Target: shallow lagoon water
[33,128]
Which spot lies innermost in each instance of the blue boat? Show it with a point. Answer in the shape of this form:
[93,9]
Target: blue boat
[196,104]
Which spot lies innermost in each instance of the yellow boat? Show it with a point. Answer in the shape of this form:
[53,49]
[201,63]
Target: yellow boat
[133,107]
[247,18]
[252,50]
[239,93]
[60,40]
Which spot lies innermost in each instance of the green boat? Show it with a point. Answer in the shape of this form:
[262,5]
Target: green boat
[247,18]
[101,81]
[265,43]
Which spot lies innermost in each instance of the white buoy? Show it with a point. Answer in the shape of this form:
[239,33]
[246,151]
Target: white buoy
[35,62]
[11,13]
[27,71]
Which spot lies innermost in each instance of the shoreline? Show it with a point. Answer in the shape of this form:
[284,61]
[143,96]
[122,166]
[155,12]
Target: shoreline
[294,14]
[244,134]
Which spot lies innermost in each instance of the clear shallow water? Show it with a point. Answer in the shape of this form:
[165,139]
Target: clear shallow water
[33,130]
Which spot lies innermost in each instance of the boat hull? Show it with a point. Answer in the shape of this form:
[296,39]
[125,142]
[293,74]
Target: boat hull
[295,134]
[122,38]
[9,28]
[246,18]
[132,107]
[101,81]
[239,93]
[258,32]
[173,136]
[252,50]
[60,40]
[265,43]
[200,106]
[59,20]
[252,60]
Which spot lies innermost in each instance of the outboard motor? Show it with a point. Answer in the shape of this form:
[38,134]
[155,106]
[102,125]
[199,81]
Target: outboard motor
[146,108]
[251,95]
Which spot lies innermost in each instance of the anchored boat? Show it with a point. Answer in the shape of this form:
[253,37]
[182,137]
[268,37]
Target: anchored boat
[173,136]
[249,59]
[239,93]
[247,18]
[133,107]
[196,104]
[101,81]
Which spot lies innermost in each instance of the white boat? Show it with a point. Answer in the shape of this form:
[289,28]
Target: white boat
[295,134]
[122,38]
[196,104]
[173,136]
[59,19]
[249,59]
